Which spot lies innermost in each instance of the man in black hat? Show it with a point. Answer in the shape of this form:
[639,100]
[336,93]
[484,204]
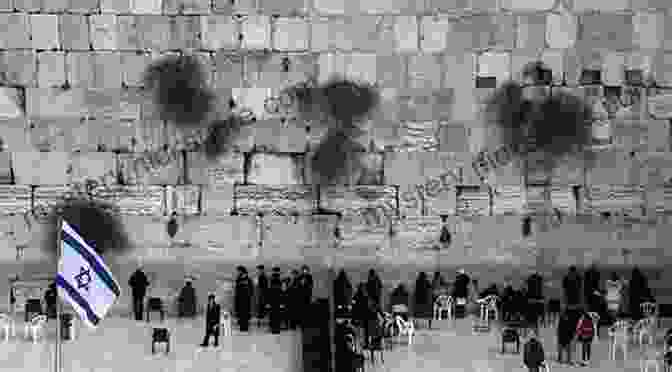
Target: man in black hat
[138,283]
[243,299]
[212,317]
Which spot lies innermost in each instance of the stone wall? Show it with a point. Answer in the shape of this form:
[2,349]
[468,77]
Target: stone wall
[77,65]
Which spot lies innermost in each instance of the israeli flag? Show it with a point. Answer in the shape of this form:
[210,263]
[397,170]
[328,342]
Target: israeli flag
[83,279]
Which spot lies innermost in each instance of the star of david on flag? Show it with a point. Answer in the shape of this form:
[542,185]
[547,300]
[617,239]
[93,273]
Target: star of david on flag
[83,279]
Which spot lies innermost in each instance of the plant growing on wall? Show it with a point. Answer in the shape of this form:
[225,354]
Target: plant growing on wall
[557,124]
[93,220]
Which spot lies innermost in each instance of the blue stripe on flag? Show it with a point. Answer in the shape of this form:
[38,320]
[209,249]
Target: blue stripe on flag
[103,274]
[74,295]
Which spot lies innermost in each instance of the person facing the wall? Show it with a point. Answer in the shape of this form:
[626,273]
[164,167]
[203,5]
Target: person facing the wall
[138,283]
[243,299]
[275,298]
[212,317]
[422,298]
[261,293]
[572,287]
[374,286]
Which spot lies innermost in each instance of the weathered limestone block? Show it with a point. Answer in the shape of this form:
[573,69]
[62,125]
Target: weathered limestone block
[537,199]
[227,169]
[414,237]
[226,237]
[184,199]
[274,199]
[453,137]
[374,203]
[157,168]
[272,135]
[361,237]
[613,167]
[15,199]
[614,199]
[508,200]
[473,201]
[403,168]
[41,168]
[134,200]
[46,197]
[60,135]
[562,198]
[282,169]
[217,199]
[658,168]
[56,103]
[419,136]
[504,245]
[285,237]
[658,199]
[96,167]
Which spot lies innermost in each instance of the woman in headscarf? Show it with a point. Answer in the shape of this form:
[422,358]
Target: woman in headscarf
[422,298]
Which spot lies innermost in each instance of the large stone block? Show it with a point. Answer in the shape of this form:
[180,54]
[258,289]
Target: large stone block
[561,29]
[531,32]
[274,199]
[227,169]
[649,30]
[186,32]
[508,200]
[419,135]
[613,168]
[291,34]
[50,69]
[19,66]
[98,167]
[116,6]
[658,199]
[425,71]
[614,199]
[155,32]
[104,30]
[371,202]
[157,168]
[658,168]
[133,66]
[47,197]
[84,6]
[286,237]
[600,5]
[482,32]
[473,201]
[5,168]
[146,6]
[606,31]
[273,135]
[185,200]
[134,200]
[15,134]
[15,31]
[74,32]
[284,8]
[64,135]
[362,237]
[279,70]
[256,32]
[44,31]
[186,6]
[217,199]
[220,32]
[41,168]
[527,5]
[15,199]
[282,169]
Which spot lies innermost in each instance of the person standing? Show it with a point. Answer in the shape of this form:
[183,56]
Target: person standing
[639,292]
[342,293]
[535,298]
[572,287]
[274,299]
[614,288]
[138,283]
[262,293]
[293,299]
[305,291]
[585,332]
[591,285]
[243,299]
[422,298]
[212,317]
[374,286]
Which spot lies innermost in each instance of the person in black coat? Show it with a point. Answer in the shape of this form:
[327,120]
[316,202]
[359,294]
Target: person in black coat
[51,299]
[461,286]
[304,293]
[422,298]
[374,286]
[535,299]
[360,305]
[274,299]
[293,299]
[262,292]
[138,283]
[212,318]
[566,331]
[243,299]
[571,284]
[591,284]
[342,293]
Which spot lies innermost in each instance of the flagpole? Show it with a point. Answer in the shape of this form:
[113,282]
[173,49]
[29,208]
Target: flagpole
[58,355]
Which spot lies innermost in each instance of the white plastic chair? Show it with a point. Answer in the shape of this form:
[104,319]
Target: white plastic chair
[644,329]
[225,323]
[8,325]
[443,304]
[650,359]
[35,327]
[406,328]
[620,338]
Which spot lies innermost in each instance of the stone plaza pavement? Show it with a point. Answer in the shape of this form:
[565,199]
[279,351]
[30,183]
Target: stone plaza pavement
[123,345]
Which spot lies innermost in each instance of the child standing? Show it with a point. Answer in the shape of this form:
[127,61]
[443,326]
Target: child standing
[533,352]
[585,332]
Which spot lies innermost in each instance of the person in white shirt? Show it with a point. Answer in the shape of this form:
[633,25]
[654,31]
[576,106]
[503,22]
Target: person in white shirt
[614,296]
